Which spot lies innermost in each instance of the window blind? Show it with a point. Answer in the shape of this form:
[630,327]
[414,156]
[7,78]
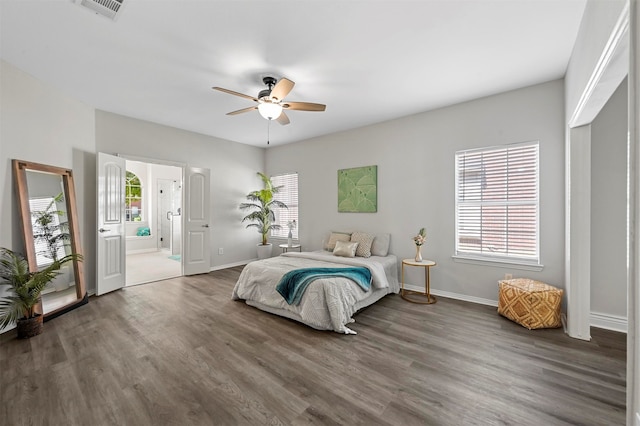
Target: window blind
[288,194]
[497,202]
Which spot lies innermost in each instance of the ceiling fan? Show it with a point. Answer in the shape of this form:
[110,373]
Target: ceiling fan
[271,104]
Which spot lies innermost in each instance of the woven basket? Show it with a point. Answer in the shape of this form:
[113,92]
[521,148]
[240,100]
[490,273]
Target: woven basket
[532,304]
[29,327]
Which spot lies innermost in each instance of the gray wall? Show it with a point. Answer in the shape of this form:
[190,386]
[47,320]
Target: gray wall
[233,173]
[415,159]
[40,124]
[609,207]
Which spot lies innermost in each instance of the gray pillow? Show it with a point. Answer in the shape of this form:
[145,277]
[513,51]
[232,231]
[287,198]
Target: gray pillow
[380,246]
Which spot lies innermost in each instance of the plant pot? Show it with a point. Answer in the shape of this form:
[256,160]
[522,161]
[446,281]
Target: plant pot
[264,251]
[29,327]
[61,282]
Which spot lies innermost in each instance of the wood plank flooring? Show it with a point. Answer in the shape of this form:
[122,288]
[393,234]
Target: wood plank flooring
[181,352]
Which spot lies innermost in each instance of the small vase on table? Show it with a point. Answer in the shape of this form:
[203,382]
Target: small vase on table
[290,239]
[418,253]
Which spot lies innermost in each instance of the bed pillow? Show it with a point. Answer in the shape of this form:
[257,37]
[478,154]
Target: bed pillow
[335,237]
[380,246]
[345,249]
[364,241]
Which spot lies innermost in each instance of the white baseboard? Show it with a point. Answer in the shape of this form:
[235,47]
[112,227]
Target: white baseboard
[598,320]
[230,265]
[608,322]
[456,296]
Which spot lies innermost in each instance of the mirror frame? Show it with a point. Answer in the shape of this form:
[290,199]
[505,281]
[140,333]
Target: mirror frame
[20,169]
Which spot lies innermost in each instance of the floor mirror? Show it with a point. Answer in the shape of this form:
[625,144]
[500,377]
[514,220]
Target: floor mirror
[47,203]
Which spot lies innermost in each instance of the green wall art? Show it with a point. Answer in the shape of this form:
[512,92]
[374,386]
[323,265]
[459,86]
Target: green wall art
[358,190]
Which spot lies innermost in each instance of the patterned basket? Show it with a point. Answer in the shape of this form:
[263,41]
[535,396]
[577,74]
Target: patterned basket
[530,303]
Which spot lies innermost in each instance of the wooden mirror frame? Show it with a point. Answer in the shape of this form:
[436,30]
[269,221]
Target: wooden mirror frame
[20,169]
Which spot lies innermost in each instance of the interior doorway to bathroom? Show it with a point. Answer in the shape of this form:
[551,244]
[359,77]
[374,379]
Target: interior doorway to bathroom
[153,207]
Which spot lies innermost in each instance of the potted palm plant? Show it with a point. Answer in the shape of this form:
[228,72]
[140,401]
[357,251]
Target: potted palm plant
[261,205]
[25,288]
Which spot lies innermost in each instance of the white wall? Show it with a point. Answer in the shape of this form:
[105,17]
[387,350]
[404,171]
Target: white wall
[609,208]
[415,159]
[40,124]
[233,173]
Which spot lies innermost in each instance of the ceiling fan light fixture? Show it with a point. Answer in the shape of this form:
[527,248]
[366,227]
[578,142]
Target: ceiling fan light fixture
[270,110]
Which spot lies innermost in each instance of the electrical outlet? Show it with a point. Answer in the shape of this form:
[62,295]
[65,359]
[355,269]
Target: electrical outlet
[220,250]
[508,276]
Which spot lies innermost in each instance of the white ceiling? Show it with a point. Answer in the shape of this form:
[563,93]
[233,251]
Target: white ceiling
[368,61]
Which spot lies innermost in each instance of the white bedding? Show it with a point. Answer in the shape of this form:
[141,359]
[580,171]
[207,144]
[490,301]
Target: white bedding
[328,303]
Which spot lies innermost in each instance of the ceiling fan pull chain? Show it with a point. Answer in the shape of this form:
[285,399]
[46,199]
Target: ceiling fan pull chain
[268,130]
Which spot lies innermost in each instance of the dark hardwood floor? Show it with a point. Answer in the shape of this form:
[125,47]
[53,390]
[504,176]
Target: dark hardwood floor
[181,352]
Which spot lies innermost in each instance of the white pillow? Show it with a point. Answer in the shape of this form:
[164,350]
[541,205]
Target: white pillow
[337,236]
[345,249]
[380,246]
[364,241]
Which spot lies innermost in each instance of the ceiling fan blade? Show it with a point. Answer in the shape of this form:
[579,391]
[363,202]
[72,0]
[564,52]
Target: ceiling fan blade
[304,106]
[282,89]
[283,119]
[231,92]
[240,111]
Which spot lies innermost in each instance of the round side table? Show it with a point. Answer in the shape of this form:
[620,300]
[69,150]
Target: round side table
[417,296]
[285,247]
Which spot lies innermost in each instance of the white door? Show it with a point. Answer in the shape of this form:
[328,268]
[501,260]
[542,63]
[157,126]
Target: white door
[111,230]
[196,246]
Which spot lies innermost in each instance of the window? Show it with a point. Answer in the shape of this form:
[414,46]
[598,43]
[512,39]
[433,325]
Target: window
[288,194]
[133,198]
[497,203]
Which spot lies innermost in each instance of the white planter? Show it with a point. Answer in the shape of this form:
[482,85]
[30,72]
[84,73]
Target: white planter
[264,251]
[61,282]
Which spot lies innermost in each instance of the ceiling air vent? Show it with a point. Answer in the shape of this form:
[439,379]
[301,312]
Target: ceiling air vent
[108,8]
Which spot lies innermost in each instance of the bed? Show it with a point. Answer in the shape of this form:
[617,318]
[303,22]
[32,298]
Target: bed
[328,303]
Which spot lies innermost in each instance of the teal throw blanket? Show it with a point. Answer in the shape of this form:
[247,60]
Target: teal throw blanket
[293,284]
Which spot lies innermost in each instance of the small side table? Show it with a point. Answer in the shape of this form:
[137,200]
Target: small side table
[286,247]
[416,296]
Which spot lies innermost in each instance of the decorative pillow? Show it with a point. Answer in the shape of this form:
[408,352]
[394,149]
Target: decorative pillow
[143,231]
[345,249]
[335,237]
[364,241]
[380,246]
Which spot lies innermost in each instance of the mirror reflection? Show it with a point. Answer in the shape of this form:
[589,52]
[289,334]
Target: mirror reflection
[47,202]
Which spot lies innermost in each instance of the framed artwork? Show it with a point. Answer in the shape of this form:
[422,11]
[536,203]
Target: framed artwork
[358,190]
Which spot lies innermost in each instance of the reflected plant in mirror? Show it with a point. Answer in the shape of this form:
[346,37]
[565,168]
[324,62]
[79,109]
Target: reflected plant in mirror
[50,229]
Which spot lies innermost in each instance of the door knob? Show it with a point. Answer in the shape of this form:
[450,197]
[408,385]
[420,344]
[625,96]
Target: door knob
[103,230]
[205,225]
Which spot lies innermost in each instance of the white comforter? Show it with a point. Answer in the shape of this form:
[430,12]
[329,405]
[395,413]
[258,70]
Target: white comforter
[328,303]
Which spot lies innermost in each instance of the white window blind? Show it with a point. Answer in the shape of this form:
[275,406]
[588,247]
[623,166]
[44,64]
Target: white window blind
[497,202]
[288,194]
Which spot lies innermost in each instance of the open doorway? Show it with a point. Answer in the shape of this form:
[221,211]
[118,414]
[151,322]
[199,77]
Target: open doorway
[153,207]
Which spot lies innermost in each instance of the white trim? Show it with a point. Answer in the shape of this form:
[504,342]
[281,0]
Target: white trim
[451,295]
[498,263]
[616,48]
[151,160]
[609,322]
[578,232]
[230,265]
[598,320]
